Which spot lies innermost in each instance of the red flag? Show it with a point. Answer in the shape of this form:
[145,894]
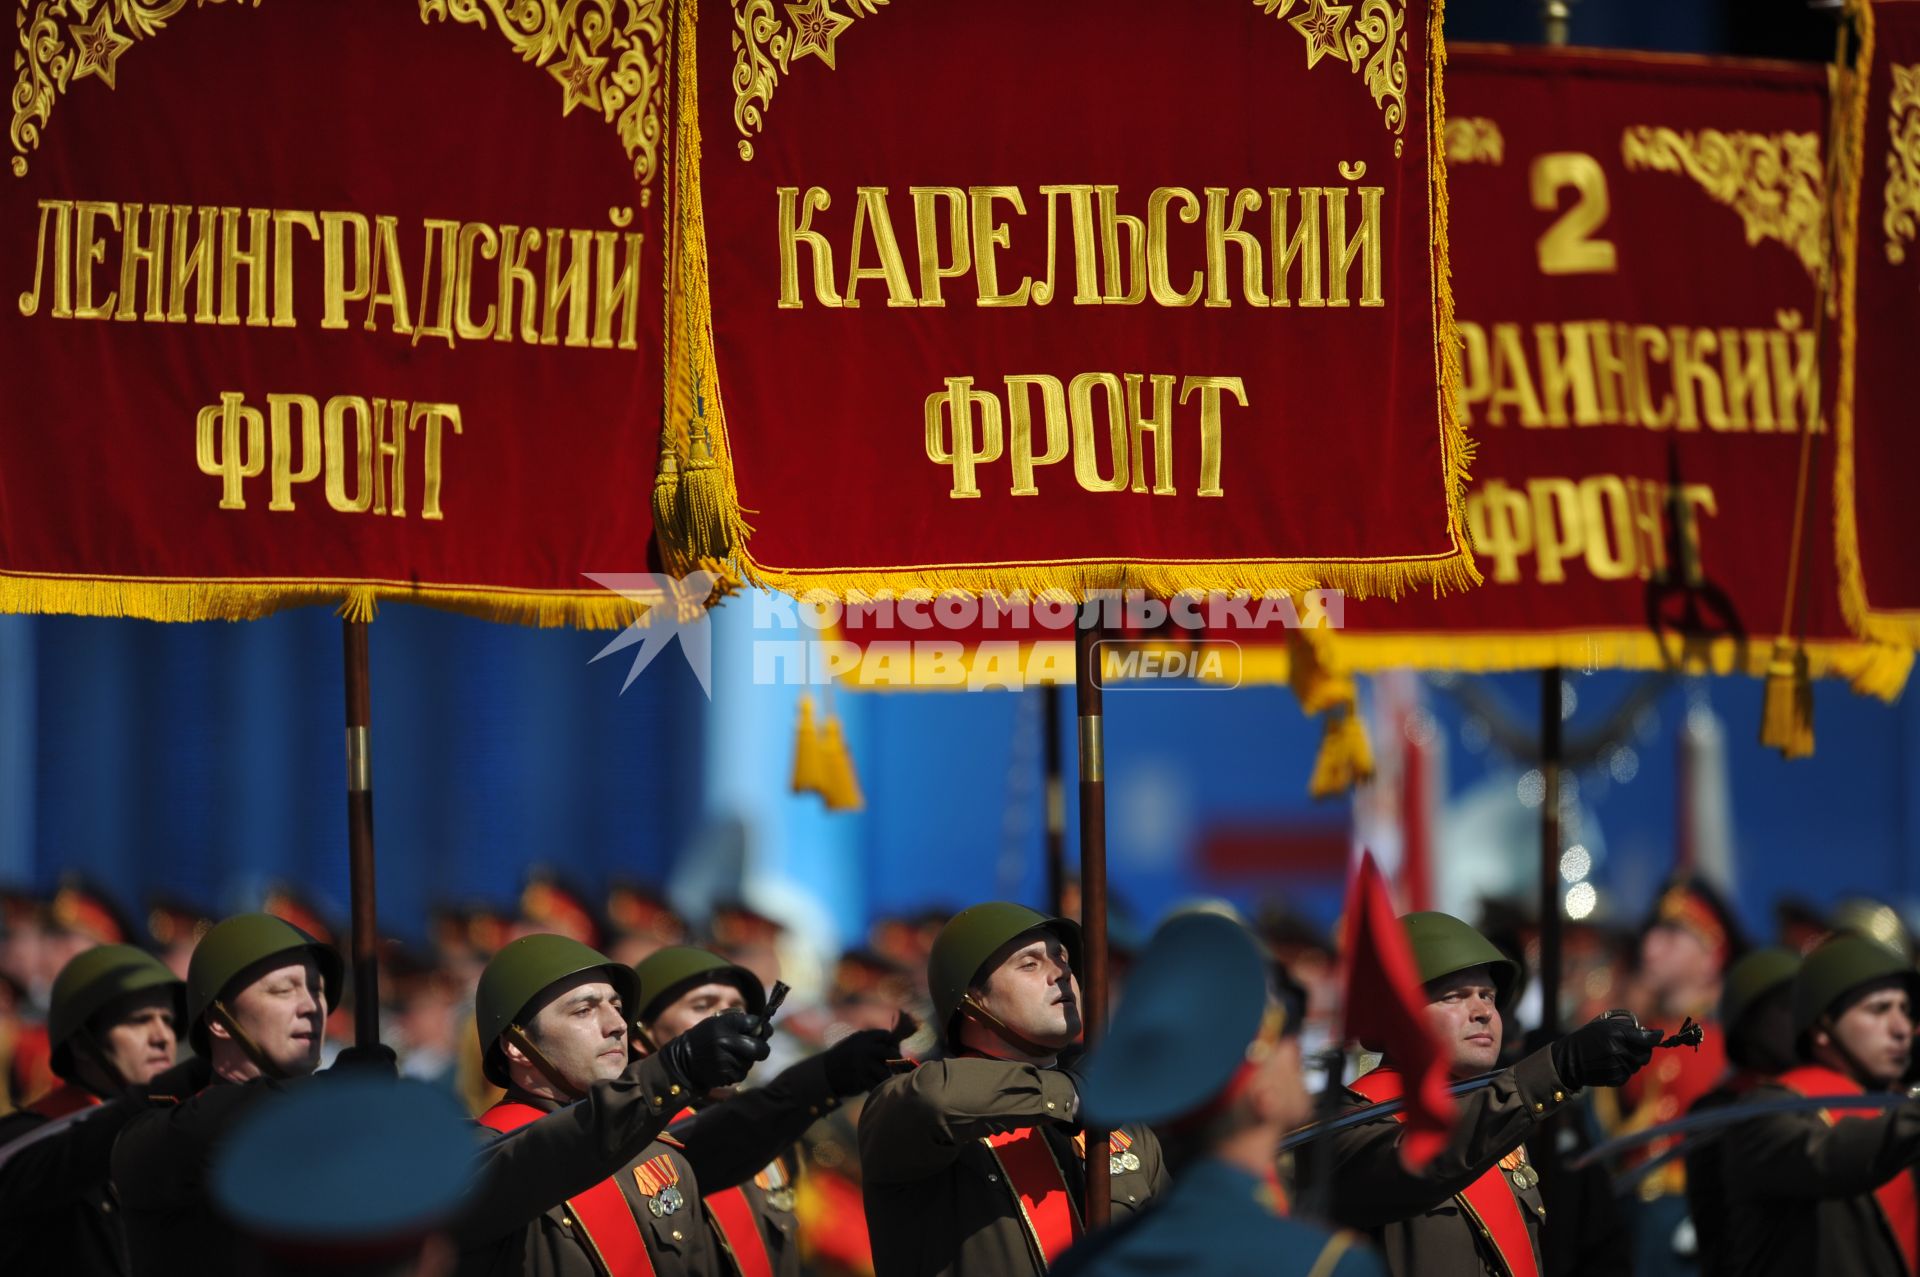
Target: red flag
[1385,1004]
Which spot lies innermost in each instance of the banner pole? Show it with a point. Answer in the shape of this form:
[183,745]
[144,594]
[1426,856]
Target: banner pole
[365,957]
[1055,798]
[1550,849]
[1093,885]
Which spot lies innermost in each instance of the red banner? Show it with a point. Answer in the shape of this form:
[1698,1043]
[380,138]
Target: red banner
[1880,571]
[1640,246]
[1077,295]
[344,301]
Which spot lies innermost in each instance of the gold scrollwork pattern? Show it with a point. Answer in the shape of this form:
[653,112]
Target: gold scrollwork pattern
[1372,44]
[1772,180]
[765,47]
[63,42]
[1474,139]
[605,54]
[1903,162]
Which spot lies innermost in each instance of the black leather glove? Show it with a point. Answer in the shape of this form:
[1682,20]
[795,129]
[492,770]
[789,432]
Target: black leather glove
[1605,1051]
[861,1061]
[718,1051]
[378,1060]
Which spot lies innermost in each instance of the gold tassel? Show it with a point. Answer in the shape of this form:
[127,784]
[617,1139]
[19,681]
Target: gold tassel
[842,787]
[1786,715]
[359,605]
[809,754]
[1346,754]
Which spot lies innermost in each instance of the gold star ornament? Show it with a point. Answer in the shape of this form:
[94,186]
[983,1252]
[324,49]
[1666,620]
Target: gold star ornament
[579,76]
[1322,25]
[815,27]
[99,47]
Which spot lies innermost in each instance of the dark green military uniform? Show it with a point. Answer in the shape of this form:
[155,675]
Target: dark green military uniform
[520,1220]
[1420,1220]
[1801,1186]
[163,1158]
[748,1137]
[938,1199]
[58,1209]
[749,1140]
[1755,990]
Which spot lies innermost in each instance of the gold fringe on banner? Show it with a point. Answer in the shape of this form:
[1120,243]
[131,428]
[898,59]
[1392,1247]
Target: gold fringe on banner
[1871,669]
[245,600]
[696,506]
[1902,627]
[697,510]
[1456,445]
[1786,714]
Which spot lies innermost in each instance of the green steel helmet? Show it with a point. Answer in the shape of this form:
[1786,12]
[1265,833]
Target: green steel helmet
[1861,916]
[511,986]
[668,973]
[243,940]
[1753,978]
[94,981]
[970,938]
[1838,967]
[1442,945]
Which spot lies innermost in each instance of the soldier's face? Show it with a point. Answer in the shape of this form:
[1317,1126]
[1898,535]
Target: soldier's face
[1465,1021]
[139,1042]
[284,1011]
[1877,1032]
[582,1032]
[1034,993]
[694,1006]
[1674,959]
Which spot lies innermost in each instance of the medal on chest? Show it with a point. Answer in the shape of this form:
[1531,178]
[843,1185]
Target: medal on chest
[659,1182]
[1120,1157]
[773,1181]
[1519,1170]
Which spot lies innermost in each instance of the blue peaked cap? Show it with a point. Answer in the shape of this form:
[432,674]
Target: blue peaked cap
[347,1161]
[1193,1004]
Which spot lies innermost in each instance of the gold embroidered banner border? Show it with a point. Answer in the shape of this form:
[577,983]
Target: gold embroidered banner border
[698,515]
[1877,624]
[607,56]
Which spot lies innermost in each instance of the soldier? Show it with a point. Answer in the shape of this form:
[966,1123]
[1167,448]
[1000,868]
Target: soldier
[972,1164]
[1757,1009]
[258,991]
[588,1182]
[1685,950]
[1201,1049]
[78,918]
[742,1145]
[1476,1207]
[1833,1191]
[361,1176]
[111,1025]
